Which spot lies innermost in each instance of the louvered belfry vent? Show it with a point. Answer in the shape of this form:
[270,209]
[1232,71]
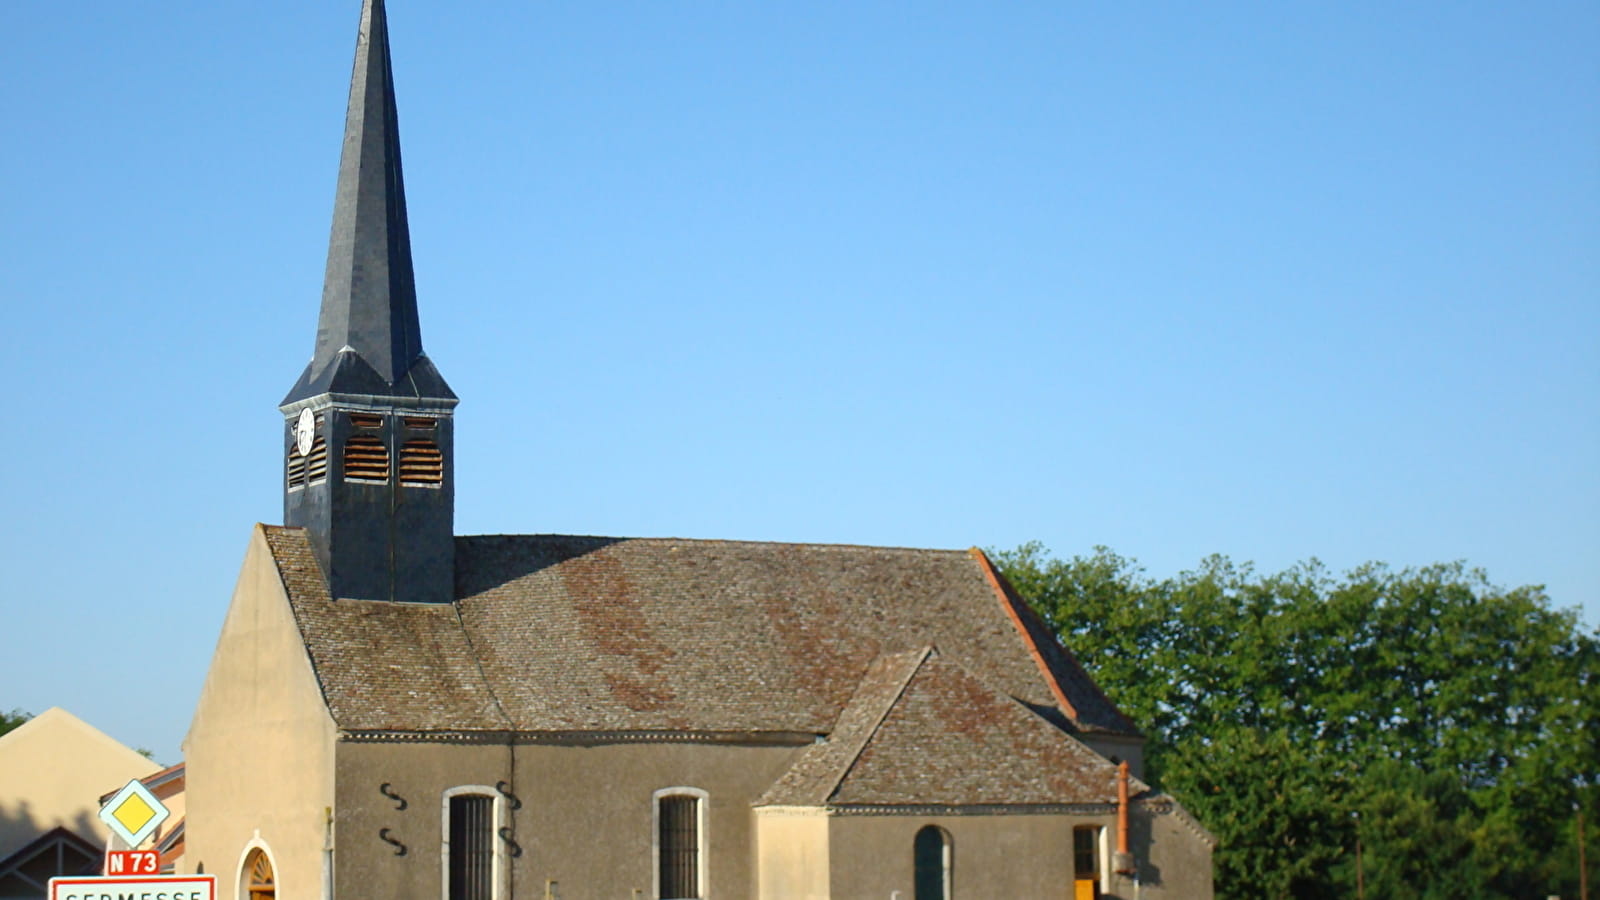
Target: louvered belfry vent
[317,462]
[421,464]
[297,469]
[311,468]
[366,456]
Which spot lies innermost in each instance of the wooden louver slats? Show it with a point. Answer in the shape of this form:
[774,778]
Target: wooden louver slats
[421,463]
[366,458]
[297,468]
[303,470]
[317,462]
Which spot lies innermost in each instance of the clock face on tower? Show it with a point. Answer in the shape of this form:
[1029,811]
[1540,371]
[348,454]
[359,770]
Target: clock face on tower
[305,432]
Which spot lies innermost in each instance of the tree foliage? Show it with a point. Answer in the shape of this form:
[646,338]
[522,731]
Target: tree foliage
[10,720]
[1447,723]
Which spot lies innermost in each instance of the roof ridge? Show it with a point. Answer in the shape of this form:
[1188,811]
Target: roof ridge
[921,657]
[734,542]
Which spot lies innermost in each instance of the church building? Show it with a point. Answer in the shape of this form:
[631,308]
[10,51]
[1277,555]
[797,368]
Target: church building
[395,711]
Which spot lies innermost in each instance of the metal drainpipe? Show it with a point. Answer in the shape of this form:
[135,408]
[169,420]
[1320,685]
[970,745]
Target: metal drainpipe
[327,856]
[1124,858]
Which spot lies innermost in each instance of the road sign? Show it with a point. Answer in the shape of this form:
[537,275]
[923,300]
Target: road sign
[133,862]
[134,813]
[148,887]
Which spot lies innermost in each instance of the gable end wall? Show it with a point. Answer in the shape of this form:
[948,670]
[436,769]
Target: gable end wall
[260,748]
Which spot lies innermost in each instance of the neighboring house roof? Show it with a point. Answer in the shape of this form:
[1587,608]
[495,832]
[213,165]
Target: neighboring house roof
[164,783]
[57,852]
[168,786]
[171,845]
[922,730]
[580,634]
[53,768]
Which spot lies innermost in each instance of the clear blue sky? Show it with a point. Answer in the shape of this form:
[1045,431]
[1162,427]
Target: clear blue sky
[1269,280]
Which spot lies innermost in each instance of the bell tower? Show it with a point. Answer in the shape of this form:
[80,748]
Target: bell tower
[368,438]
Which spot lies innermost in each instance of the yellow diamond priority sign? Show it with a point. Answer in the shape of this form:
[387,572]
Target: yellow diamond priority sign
[134,813]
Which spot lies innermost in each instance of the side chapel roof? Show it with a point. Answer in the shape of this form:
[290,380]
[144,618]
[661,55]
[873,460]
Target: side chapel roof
[556,633]
[921,730]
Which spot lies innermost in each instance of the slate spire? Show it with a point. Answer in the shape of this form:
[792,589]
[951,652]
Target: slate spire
[369,467]
[369,295]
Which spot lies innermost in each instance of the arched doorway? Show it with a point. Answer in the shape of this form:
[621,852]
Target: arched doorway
[259,882]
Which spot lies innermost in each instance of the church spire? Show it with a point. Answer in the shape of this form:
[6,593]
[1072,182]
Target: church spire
[369,296]
[369,467]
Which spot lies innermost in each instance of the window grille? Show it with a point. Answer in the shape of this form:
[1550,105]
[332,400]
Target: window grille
[366,458]
[421,423]
[679,846]
[366,420]
[421,463]
[471,847]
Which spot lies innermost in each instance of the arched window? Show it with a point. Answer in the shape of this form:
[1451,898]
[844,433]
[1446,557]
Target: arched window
[259,881]
[471,856]
[680,844]
[931,854]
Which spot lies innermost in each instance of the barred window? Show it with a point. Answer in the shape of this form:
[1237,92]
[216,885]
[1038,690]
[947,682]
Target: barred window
[470,849]
[680,844]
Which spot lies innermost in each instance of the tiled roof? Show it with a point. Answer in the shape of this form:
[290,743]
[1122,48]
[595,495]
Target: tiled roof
[924,731]
[574,634]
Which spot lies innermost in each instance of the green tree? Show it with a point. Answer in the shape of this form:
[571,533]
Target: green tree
[10,720]
[1445,722]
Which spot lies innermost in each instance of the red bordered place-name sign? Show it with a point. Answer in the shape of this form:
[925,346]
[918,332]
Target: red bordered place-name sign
[145,887]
